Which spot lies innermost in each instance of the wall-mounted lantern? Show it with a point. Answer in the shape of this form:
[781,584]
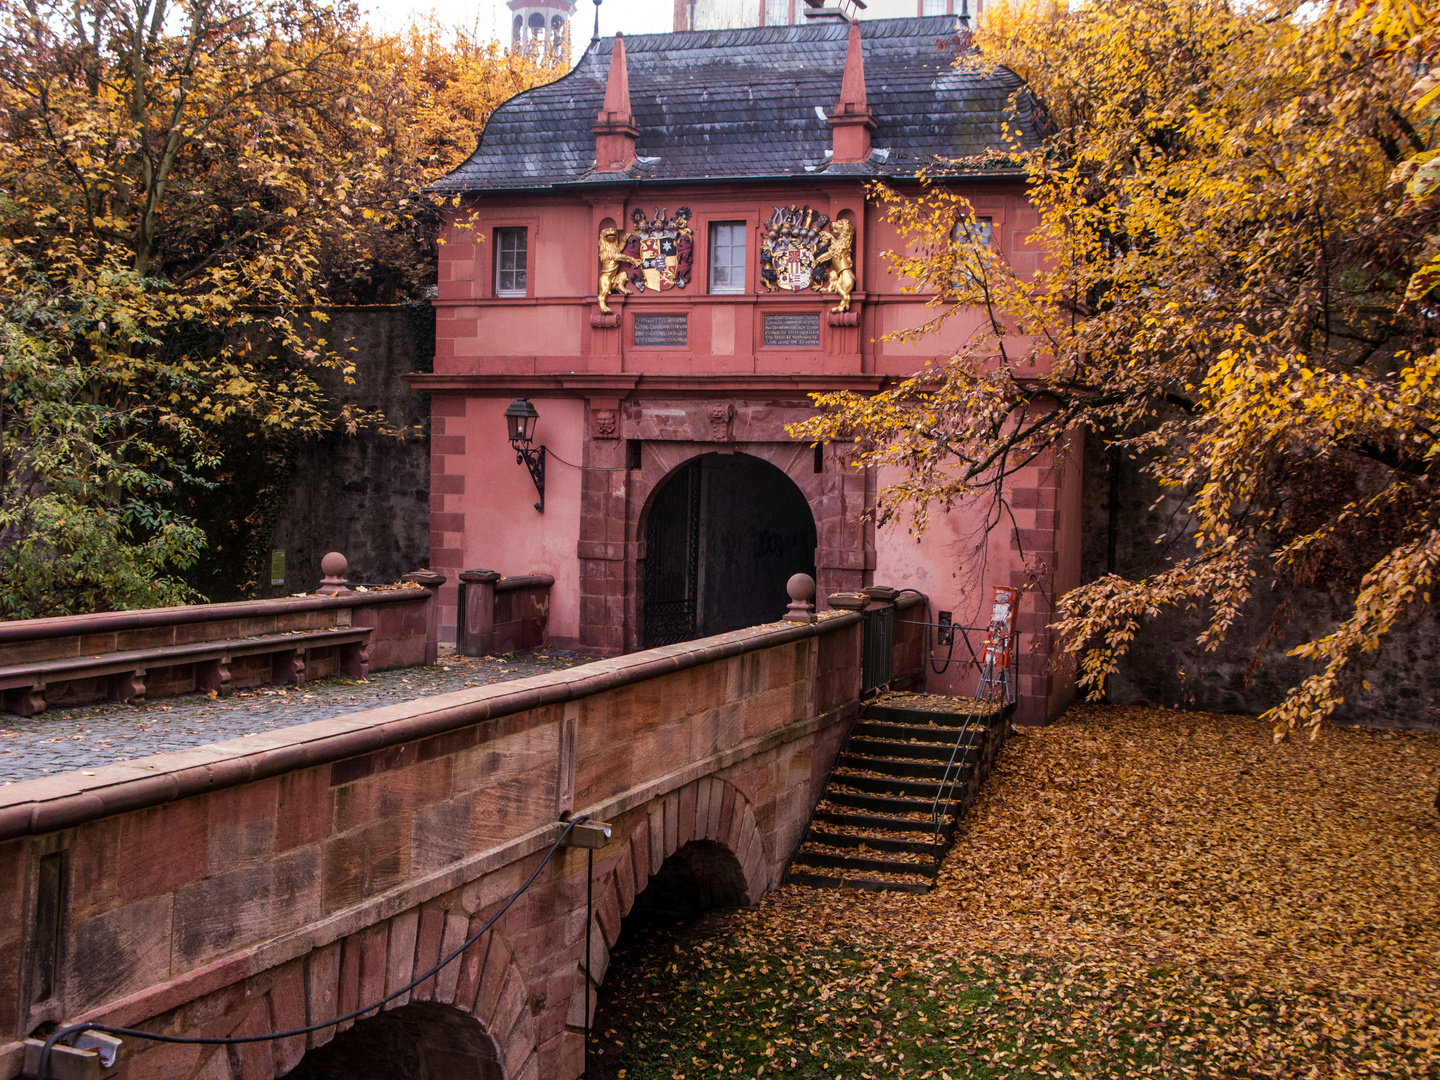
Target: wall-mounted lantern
[521,417]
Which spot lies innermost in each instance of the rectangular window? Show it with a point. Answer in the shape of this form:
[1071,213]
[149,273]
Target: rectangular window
[934,7]
[977,231]
[777,12]
[510,258]
[727,257]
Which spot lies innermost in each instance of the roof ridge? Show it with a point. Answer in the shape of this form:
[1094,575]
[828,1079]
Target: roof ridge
[679,40]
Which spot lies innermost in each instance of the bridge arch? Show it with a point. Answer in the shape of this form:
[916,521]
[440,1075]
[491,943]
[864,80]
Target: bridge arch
[715,846]
[472,1020]
[418,1041]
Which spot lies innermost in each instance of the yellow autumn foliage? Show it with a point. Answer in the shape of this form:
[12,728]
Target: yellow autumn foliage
[185,185]
[1240,226]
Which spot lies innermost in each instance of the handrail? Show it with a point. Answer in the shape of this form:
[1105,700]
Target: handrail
[961,745]
[995,690]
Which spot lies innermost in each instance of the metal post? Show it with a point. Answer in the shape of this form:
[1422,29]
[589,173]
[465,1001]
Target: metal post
[589,903]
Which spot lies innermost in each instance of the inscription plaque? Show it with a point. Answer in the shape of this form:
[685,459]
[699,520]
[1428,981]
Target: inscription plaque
[792,331]
[660,330]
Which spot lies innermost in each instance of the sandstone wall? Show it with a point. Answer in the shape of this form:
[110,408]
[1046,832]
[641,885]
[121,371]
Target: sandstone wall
[285,878]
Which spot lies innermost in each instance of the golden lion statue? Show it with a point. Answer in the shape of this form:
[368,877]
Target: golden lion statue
[841,257]
[612,276]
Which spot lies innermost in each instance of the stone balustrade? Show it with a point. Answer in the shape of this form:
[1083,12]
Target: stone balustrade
[499,614]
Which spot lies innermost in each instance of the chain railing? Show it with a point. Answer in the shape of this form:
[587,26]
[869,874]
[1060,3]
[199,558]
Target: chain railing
[68,1032]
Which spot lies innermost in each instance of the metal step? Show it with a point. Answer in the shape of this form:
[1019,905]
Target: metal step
[884,729]
[878,804]
[862,862]
[923,788]
[876,821]
[899,715]
[924,751]
[877,843]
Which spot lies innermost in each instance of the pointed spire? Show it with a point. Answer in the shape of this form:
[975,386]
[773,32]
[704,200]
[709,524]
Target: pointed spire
[852,121]
[615,130]
[852,86]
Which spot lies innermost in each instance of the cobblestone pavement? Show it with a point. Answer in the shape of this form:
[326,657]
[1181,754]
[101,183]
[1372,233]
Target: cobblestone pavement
[83,737]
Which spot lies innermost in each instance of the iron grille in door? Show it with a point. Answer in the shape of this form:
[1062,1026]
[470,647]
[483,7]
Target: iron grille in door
[879,639]
[672,560]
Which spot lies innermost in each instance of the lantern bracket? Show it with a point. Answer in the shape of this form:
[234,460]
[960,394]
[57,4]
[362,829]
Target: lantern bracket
[534,460]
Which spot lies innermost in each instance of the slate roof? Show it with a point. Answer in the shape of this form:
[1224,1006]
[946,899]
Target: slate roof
[751,104]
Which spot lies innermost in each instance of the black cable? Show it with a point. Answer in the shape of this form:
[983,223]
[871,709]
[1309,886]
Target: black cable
[231,1040]
[929,631]
[586,468]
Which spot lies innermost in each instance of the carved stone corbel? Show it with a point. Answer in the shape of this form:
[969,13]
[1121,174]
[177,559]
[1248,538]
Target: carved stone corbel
[720,414]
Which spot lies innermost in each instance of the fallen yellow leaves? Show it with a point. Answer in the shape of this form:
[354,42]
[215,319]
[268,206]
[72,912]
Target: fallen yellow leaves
[1136,892]
[1191,838]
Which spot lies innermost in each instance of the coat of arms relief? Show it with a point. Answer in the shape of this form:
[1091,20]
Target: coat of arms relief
[800,248]
[664,248]
[658,255]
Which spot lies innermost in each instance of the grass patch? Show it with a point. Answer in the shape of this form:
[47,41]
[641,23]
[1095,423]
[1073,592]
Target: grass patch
[729,998]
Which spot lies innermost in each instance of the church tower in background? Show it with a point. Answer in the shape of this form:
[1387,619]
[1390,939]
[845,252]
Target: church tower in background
[542,26]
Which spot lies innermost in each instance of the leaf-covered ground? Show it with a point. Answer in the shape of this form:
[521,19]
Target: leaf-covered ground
[1136,892]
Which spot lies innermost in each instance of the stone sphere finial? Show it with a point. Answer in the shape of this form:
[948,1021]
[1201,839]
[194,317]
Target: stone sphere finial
[333,566]
[801,588]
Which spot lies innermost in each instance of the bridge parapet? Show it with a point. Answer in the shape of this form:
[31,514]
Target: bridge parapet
[254,885]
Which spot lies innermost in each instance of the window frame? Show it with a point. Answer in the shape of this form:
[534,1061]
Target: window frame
[735,287]
[982,211]
[789,6]
[496,233]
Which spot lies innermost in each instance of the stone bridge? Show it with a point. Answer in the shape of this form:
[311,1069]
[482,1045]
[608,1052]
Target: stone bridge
[287,878]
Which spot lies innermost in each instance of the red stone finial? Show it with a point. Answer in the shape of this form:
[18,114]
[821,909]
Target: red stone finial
[852,121]
[615,130]
[333,566]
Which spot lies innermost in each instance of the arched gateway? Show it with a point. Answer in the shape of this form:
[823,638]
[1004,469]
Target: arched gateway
[723,533]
